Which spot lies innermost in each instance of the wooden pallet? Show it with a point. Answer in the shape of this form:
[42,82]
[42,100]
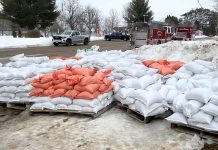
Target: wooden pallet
[19,105]
[71,112]
[195,130]
[138,116]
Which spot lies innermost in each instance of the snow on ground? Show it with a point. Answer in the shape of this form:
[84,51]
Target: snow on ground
[96,38]
[114,130]
[182,50]
[10,42]
[200,36]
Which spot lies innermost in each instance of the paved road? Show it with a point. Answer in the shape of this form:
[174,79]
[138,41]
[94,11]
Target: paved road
[62,50]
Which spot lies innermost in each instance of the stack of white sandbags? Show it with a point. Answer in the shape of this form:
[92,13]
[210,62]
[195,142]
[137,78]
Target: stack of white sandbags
[16,76]
[63,103]
[197,103]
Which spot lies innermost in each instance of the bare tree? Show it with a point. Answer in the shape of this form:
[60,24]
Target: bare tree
[91,18]
[111,21]
[216,5]
[71,13]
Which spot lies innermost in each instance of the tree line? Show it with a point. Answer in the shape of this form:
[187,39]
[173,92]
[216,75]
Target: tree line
[70,14]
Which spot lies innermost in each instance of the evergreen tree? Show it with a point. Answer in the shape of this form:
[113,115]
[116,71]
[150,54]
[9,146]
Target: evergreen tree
[137,11]
[172,20]
[30,13]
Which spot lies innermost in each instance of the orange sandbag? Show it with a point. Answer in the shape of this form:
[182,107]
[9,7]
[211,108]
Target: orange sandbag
[109,88]
[55,82]
[63,85]
[58,93]
[74,79]
[103,87]
[46,78]
[42,86]
[156,66]
[91,88]
[101,75]
[176,65]
[148,62]
[107,81]
[83,71]
[87,95]
[48,92]
[90,80]
[167,70]
[71,94]
[36,92]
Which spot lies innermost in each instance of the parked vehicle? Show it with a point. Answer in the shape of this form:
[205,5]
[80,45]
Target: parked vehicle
[70,37]
[153,33]
[183,33]
[117,35]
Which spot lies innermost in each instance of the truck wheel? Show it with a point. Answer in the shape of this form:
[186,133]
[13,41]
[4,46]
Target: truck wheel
[68,42]
[158,42]
[86,41]
[125,39]
[55,44]
[108,39]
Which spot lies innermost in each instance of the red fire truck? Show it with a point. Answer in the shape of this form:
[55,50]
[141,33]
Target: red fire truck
[183,33]
[153,33]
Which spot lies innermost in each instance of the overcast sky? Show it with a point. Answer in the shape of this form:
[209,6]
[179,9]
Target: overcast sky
[161,8]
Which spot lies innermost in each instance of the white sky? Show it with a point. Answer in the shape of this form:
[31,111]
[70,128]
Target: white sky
[161,8]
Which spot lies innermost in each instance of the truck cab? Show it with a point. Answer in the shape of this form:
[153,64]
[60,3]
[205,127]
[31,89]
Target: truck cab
[70,37]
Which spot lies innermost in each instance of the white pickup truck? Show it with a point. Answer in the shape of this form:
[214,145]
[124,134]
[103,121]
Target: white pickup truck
[70,37]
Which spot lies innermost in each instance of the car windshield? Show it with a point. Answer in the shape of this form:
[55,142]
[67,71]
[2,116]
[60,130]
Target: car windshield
[66,33]
[180,34]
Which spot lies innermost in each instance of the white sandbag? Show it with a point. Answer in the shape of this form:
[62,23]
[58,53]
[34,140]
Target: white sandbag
[213,126]
[18,82]
[40,99]
[130,83]
[135,72]
[25,88]
[214,99]
[194,67]
[154,87]
[74,107]
[118,98]
[191,108]
[151,71]
[145,81]
[181,75]
[201,117]
[206,64]
[86,103]
[4,99]
[37,106]
[172,81]
[91,109]
[7,95]
[22,94]
[150,97]
[9,89]
[144,110]
[118,76]
[61,107]
[116,87]
[124,92]
[202,83]
[61,100]
[210,109]
[158,111]
[17,64]
[177,118]
[185,71]
[182,84]
[128,101]
[202,76]
[216,119]
[24,74]
[171,95]
[165,90]
[2,89]
[200,94]
[214,85]
[132,107]
[1,65]
[48,105]
[179,102]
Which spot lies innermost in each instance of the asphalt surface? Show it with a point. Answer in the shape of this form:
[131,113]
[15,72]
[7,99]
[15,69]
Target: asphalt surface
[62,50]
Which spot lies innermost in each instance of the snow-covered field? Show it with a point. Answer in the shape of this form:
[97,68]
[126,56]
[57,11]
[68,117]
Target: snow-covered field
[10,42]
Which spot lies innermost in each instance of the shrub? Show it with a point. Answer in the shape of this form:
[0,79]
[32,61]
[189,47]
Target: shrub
[33,34]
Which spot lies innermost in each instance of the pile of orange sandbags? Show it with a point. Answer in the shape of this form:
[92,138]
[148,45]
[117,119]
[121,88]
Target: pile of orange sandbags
[74,83]
[164,67]
[65,58]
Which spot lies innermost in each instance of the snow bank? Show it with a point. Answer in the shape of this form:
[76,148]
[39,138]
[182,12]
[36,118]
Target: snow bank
[10,42]
[182,50]
[201,36]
